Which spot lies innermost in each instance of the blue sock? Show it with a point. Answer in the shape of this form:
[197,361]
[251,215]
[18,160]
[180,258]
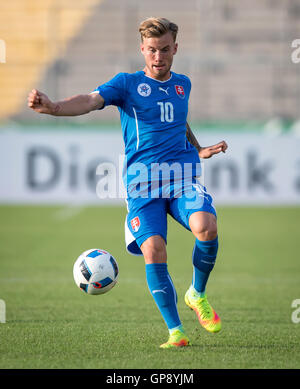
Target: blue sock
[204,257]
[164,294]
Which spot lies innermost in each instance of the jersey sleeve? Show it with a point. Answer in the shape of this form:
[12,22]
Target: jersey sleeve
[113,91]
[189,84]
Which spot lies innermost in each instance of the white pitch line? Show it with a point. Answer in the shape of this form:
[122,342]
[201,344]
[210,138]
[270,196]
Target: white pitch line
[68,212]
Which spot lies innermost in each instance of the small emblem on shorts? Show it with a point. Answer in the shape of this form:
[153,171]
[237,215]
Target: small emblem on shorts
[144,90]
[135,224]
[180,91]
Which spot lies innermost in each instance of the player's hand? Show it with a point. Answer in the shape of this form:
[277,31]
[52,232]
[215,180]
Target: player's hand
[40,102]
[207,152]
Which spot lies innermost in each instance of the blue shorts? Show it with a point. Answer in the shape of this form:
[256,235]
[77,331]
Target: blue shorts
[148,216]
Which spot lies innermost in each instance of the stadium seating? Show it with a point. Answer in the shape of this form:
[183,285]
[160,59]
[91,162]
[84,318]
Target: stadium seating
[237,54]
[36,33]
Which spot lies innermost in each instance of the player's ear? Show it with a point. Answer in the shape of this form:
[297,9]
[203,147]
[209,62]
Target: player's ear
[175,48]
[142,47]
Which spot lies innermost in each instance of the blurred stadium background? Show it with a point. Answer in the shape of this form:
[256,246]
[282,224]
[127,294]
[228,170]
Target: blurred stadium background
[238,55]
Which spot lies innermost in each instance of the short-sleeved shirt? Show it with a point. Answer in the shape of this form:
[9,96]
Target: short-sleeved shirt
[153,117]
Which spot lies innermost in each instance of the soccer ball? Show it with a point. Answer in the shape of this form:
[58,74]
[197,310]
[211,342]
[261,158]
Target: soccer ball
[95,271]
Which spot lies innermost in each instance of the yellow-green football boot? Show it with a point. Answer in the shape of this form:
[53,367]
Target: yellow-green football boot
[207,316]
[177,339]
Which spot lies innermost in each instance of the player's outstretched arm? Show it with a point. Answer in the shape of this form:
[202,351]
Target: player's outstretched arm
[71,106]
[205,152]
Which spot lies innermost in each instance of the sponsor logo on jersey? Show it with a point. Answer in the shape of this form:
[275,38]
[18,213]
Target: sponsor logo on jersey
[135,224]
[144,90]
[180,91]
[164,90]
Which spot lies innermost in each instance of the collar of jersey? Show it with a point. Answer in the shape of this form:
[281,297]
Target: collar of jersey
[154,79]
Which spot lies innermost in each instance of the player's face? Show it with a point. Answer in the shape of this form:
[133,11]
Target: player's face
[158,53]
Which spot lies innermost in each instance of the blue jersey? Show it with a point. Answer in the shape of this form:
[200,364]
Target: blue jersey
[153,117]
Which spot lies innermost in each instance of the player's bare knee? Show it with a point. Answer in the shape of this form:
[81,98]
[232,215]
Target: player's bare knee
[207,231]
[207,235]
[154,250]
[154,255]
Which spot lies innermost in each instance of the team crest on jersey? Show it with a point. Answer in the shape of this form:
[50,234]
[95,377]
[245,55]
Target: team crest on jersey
[180,91]
[135,223]
[144,90]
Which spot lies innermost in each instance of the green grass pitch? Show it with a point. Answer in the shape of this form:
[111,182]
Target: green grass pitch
[50,323]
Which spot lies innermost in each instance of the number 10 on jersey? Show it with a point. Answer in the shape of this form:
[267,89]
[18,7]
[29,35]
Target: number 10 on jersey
[166,111]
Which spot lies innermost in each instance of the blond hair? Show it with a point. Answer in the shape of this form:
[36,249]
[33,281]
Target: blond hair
[156,27]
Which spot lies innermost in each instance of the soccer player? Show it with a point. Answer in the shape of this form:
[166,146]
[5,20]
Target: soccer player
[153,106]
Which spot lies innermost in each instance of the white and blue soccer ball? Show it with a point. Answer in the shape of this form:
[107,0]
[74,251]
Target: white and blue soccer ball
[95,271]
